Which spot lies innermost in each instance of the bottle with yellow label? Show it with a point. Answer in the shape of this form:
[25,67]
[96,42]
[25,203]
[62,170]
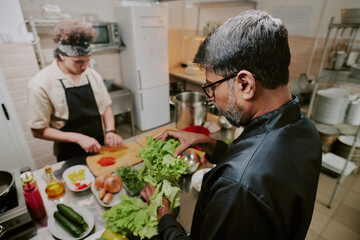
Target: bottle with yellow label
[54,188]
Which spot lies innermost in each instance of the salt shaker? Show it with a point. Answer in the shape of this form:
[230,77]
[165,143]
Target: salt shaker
[34,201]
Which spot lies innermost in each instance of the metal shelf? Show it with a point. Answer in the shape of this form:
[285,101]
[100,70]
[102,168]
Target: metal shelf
[337,77]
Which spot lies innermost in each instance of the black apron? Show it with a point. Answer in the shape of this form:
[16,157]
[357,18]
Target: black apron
[84,118]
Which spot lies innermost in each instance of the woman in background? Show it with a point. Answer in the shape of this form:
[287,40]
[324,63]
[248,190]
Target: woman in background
[68,102]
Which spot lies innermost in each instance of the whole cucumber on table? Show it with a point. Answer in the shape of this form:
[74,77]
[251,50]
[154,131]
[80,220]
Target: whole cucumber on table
[69,213]
[69,226]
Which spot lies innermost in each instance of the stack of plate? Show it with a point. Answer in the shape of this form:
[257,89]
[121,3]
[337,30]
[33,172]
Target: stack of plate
[353,114]
[331,104]
[336,164]
[343,146]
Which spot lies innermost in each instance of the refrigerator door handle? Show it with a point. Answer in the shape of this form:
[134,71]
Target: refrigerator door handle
[5,111]
[139,77]
[141,102]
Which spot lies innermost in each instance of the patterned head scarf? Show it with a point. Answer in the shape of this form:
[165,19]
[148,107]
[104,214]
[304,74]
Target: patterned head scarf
[77,50]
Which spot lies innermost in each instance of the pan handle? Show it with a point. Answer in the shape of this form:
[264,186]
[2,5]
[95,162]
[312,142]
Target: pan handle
[2,230]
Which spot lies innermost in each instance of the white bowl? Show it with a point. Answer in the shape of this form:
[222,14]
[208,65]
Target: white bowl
[196,179]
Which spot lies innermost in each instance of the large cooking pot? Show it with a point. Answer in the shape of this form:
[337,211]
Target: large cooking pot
[6,182]
[190,109]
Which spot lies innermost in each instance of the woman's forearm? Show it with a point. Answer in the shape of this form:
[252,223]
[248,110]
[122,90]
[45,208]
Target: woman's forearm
[108,118]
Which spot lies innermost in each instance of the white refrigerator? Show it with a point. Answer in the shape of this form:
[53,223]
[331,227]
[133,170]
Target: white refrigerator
[144,62]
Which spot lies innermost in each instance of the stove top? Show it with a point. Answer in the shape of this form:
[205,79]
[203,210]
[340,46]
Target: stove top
[15,214]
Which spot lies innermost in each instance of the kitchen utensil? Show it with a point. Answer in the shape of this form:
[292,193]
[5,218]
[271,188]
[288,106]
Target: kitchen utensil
[190,109]
[328,135]
[89,178]
[192,158]
[126,154]
[60,233]
[14,214]
[353,114]
[115,200]
[224,123]
[330,105]
[342,148]
[6,182]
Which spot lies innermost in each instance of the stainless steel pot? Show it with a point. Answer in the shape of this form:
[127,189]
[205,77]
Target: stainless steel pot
[190,109]
[6,182]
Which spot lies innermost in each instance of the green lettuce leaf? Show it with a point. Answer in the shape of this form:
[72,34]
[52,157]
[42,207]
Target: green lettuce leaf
[161,170]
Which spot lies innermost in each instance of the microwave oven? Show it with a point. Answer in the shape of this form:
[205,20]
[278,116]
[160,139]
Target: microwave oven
[108,36]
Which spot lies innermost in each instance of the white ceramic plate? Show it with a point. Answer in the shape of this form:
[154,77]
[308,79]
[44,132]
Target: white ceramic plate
[114,201]
[197,177]
[89,178]
[59,232]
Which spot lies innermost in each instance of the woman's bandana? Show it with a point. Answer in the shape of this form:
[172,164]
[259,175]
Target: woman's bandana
[74,50]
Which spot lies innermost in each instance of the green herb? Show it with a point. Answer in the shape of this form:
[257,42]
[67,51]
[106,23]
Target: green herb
[161,169]
[131,179]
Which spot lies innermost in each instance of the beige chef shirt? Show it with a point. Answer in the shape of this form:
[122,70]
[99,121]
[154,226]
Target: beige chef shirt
[47,104]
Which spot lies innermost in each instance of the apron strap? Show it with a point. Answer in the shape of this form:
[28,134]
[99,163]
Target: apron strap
[62,83]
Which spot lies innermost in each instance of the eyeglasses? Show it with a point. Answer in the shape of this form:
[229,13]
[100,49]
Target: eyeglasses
[209,87]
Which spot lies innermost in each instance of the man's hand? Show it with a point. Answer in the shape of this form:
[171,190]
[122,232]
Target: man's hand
[147,192]
[113,139]
[189,139]
[89,144]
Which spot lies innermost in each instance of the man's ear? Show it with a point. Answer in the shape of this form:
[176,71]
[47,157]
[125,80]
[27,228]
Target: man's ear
[246,84]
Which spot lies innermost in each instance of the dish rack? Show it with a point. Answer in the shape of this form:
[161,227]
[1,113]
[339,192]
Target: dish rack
[338,72]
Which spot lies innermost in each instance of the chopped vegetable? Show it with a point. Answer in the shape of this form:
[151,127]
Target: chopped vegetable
[106,161]
[77,176]
[161,169]
[79,186]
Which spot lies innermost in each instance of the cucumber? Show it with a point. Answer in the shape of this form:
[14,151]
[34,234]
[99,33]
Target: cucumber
[67,225]
[70,214]
[84,226]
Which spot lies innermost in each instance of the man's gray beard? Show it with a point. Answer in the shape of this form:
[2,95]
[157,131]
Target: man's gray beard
[235,115]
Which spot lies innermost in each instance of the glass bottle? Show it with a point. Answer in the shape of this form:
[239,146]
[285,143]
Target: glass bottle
[54,188]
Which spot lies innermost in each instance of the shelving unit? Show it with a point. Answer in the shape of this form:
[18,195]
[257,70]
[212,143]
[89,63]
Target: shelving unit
[339,77]
[36,23]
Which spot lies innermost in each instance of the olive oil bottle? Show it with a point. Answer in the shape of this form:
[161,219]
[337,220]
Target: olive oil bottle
[55,188]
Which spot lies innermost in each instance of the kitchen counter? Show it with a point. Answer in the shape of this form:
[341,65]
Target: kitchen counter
[179,72]
[87,199]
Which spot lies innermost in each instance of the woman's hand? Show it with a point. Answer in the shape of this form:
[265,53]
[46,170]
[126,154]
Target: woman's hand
[147,192]
[113,139]
[89,144]
[189,139]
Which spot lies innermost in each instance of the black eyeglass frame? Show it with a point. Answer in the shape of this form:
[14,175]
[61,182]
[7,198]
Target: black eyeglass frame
[208,84]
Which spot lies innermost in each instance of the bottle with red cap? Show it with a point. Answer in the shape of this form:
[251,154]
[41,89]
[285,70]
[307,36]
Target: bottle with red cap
[34,201]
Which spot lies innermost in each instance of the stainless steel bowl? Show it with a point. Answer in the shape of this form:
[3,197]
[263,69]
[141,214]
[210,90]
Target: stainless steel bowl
[192,158]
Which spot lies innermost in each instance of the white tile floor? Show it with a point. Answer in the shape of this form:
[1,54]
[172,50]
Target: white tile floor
[341,222]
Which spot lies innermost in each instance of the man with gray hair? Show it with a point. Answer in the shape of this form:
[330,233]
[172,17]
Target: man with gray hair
[264,184]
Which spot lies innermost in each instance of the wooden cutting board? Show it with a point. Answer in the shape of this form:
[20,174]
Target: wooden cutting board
[126,154]
[142,139]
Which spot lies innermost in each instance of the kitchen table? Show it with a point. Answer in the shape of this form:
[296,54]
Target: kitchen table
[87,199]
